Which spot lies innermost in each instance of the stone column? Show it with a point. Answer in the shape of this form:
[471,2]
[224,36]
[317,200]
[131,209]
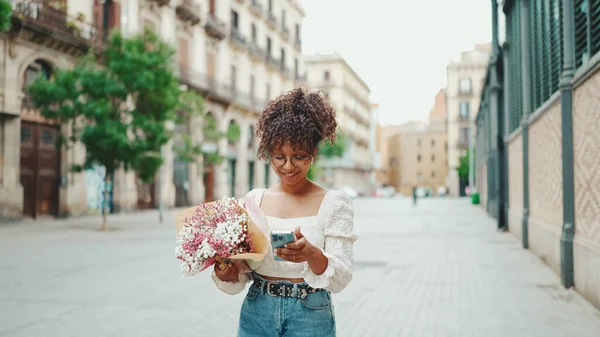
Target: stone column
[259,173]
[11,191]
[241,164]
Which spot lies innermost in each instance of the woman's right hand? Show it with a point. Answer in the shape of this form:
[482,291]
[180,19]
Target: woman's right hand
[228,273]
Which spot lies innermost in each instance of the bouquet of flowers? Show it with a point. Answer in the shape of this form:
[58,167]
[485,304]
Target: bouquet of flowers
[223,231]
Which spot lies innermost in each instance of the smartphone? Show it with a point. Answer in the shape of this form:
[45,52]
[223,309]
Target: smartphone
[280,239]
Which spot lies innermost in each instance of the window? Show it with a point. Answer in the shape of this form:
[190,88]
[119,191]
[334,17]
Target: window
[233,78]
[463,137]
[420,176]
[251,175]
[268,91]
[296,72]
[269,46]
[433,143]
[418,142]
[432,174]
[270,6]
[465,85]
[251,136]
[254,34]
[283,19]
[433,157]
[252,87]
[235,23]
[326,75]
[419,158]
[282,59]
[464,110]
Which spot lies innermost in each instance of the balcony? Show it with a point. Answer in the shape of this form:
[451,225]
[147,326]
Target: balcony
[215,27]
[256,53]
[273,63]
[271,20]
[237,40]
[462,143]
[188,12]
[53,28]
[218,91]
[256,9]
[301,78]
[286,72]
[285,33]
[161,3]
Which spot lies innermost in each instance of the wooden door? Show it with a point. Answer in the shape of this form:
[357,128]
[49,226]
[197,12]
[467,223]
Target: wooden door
[28,169]
[48,173]
[39,169]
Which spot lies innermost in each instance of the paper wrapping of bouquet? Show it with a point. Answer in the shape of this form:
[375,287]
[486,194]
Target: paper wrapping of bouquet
[256,222]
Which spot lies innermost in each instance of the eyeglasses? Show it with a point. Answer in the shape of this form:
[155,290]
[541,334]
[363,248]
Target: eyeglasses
[297,161]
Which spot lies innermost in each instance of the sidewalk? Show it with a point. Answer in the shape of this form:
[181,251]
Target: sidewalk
[441,269]
[438,269]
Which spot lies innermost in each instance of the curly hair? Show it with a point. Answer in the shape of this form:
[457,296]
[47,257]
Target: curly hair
[301,118]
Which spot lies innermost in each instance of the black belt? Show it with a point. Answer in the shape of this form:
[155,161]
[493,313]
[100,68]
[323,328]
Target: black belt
[284,289]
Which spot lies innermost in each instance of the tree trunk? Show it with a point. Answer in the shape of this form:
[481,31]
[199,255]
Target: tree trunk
[105,202]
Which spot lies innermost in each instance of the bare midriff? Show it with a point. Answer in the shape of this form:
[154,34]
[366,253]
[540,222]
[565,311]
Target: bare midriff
[293,280]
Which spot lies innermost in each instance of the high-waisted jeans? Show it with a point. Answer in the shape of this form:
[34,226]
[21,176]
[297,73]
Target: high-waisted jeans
[264,315]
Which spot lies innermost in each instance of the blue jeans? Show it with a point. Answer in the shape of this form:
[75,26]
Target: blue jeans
[265,315]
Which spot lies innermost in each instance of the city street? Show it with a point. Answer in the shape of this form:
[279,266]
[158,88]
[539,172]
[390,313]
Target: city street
[438,269]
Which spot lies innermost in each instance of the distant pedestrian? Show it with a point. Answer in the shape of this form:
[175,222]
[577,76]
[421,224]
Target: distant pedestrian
[414,196]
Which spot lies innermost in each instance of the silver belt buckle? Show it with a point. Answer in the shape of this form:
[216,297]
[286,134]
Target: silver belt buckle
[269,292]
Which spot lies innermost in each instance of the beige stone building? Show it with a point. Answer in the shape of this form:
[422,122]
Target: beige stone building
[465,82]
[417,152]
[349,94]
[236,53]
[383,134]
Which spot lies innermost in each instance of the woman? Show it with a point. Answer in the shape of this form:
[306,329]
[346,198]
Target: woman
[292,296]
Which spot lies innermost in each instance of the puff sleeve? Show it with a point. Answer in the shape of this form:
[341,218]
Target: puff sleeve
[338,249]
[232,288]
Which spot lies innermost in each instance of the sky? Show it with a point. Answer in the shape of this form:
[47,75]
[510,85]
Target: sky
[400,48]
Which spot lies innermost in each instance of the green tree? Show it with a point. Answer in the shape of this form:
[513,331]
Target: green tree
[190,116]
[118,105]
[327,150]
[5,15]
[463,167]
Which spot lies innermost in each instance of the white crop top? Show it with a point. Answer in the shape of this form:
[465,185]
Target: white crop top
[331,230]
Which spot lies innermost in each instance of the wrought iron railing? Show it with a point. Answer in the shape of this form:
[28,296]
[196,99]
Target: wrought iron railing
[42,16]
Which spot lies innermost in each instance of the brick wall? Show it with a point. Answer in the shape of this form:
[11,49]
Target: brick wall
[515,186]
[545,186]
[586,147]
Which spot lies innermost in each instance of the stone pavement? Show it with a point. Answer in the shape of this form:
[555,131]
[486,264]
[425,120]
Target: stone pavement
[438,269]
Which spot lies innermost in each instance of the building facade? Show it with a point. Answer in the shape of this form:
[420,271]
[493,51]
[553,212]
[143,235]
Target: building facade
[349,95]
[236,54]
[417,153]
[463,91]
[537,135]
[383,135]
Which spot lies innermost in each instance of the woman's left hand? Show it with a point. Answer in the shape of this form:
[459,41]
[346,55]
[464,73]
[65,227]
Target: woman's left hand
[299,251]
